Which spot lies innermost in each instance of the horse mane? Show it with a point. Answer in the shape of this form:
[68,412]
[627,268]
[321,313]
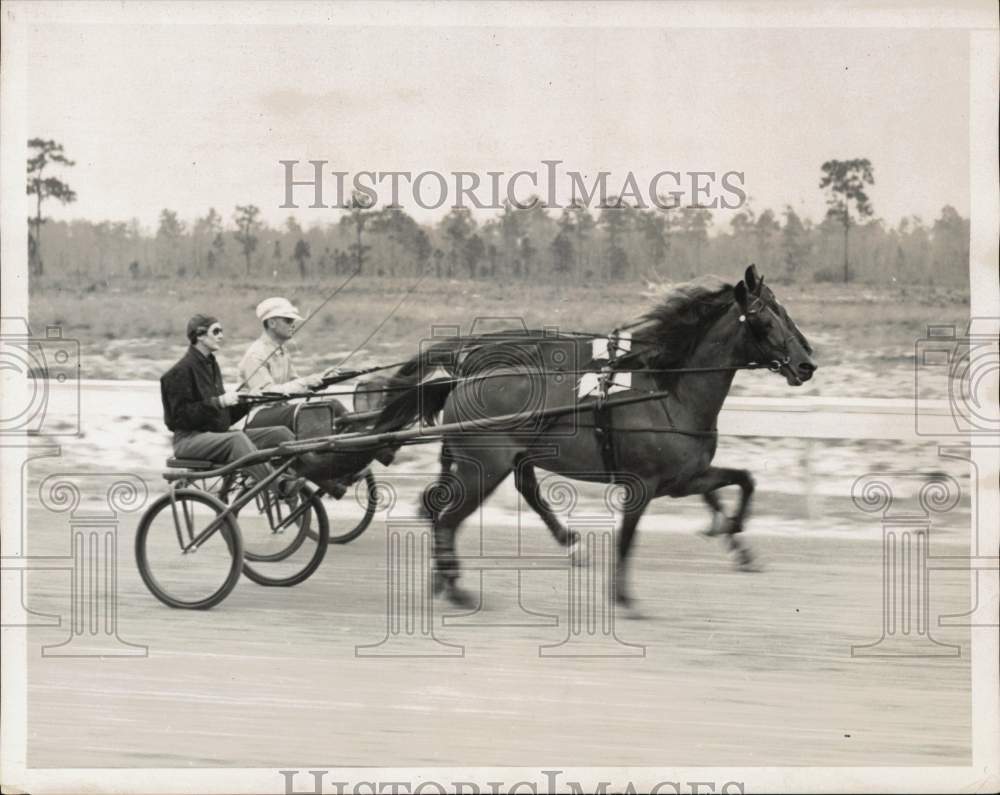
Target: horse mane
[679,322]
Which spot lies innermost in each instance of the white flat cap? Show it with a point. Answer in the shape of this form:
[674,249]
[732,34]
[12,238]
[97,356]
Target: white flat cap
[276,307]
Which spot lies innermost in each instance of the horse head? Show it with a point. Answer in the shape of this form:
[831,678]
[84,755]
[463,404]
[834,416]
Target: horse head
[771,335]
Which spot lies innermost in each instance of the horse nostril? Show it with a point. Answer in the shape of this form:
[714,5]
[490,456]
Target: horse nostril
[806,369]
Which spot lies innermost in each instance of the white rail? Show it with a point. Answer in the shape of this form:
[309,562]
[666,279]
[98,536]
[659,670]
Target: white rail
[794,417]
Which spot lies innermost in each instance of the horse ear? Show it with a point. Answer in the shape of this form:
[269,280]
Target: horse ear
[741,295]
[752,279]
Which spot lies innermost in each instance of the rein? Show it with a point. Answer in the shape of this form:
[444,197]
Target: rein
[475,344]
[270,397]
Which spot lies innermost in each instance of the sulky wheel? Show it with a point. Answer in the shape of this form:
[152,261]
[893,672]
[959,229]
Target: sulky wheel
[284,541]
[188,549]
[354,511]
[282,524]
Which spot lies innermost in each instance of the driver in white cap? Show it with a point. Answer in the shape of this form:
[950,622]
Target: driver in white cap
[266,366]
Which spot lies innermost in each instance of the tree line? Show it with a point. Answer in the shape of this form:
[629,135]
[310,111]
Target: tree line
[608,243]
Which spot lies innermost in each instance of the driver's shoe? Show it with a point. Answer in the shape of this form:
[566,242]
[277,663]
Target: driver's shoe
[289,490]
[335,488]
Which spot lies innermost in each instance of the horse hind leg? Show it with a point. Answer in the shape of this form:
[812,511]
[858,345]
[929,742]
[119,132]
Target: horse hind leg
[527,485]
[434,496]
[471,482]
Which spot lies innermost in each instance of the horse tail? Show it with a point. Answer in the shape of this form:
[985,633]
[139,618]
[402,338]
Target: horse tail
[418,398]
[422,401]
[441,354]
[414,398]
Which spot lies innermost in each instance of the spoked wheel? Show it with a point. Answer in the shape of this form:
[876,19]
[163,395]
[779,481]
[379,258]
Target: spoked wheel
[288,521]
[184,560]
[284,541]
[354,511]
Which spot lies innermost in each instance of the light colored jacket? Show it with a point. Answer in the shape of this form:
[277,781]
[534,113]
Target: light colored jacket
[267,367]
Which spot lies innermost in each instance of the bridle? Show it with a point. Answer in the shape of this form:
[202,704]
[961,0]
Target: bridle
[754,308]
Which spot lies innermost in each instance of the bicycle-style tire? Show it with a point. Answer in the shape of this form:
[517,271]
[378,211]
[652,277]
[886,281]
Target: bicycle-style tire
[371,504]
[260,503]
[257,570]
[181,503]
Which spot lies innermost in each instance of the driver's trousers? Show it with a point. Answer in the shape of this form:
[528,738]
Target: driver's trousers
[326,470]
[228,446]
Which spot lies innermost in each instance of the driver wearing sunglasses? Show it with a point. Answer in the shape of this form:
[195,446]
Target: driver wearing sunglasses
[267,366]
[199,409]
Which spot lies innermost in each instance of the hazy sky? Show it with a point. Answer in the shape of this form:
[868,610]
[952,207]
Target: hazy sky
[193,116]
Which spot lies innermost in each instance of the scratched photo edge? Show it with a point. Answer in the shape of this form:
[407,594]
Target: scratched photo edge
[984,302]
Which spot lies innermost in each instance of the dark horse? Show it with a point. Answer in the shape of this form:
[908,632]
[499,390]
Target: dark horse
[690,347]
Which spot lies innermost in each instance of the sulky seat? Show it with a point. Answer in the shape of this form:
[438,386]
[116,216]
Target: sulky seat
[191,463]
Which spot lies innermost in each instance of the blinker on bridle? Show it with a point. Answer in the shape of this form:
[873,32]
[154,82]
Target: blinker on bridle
[754,308]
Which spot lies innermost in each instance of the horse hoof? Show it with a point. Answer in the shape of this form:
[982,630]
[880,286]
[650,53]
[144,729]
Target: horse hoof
[460,597]
[721,526]
[746,562]
[622,599]
[577,554]
[439,583]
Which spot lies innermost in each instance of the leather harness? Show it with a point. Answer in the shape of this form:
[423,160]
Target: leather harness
[603,426]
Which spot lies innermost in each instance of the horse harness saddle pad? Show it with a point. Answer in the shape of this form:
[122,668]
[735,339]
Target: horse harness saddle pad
[600,385]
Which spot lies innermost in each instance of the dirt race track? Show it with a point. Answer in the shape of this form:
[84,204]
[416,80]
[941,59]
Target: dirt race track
[739,669]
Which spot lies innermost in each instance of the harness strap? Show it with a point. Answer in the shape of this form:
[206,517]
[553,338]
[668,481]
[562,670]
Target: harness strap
[603,427]
[604,431]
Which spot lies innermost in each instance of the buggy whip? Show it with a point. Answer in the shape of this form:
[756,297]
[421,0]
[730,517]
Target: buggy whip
[296,330]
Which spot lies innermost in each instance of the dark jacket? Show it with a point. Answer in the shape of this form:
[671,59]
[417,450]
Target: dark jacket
[190,392]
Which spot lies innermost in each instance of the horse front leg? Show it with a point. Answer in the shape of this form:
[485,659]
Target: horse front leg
[720,522]
[706,484]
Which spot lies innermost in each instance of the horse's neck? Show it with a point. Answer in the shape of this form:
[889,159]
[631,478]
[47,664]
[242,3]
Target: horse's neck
[701,395]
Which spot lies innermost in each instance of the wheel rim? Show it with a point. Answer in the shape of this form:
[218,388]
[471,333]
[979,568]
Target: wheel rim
[351,515]
[197,577]
[298,561]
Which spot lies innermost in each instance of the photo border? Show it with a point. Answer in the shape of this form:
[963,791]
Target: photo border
[979,18]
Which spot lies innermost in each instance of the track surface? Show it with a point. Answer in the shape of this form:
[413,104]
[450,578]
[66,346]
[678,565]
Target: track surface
[739,669]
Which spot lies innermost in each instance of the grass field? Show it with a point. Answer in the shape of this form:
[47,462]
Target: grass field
[864,336]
